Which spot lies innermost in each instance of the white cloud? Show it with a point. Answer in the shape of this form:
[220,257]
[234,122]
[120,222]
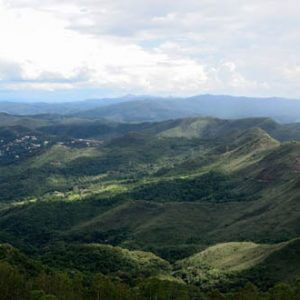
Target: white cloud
[45,86]
[173,47]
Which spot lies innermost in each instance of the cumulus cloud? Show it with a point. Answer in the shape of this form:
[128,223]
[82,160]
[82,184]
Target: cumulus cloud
[156,47]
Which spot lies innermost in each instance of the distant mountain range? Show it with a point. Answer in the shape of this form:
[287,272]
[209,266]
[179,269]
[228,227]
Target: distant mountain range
[136,109]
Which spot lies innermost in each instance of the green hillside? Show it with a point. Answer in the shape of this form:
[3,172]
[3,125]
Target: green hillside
[199,202]
[236,262]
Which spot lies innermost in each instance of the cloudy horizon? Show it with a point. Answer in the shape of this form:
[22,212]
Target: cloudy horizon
[71,50]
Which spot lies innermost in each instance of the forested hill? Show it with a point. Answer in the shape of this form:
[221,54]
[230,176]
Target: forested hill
[135,109]
[131,211]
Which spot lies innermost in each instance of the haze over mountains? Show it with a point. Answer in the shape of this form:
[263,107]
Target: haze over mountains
[149,109]
[151,195]
[187,187]
[197,201]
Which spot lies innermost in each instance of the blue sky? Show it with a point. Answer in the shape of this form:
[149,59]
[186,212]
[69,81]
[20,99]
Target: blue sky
[67,50]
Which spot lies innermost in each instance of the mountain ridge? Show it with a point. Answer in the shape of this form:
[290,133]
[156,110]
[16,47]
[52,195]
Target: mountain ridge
[152,196]
[152,108]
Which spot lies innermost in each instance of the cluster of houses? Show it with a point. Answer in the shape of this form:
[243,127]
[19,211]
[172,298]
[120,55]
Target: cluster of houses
[25,146]
[21,146]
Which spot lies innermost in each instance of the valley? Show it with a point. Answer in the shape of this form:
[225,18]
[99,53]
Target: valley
[193,204]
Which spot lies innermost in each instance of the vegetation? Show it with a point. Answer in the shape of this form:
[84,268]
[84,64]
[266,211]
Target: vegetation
[181,209]
[212,187]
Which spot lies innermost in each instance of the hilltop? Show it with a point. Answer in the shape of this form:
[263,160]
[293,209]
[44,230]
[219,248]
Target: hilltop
[195,201]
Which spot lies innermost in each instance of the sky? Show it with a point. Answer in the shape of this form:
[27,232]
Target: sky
[60,50]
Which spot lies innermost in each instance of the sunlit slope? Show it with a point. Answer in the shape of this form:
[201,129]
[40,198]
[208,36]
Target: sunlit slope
[265,211]
[236,262]
[188,206]
[173,195]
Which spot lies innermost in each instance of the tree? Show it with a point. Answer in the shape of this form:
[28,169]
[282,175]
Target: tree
[281,291]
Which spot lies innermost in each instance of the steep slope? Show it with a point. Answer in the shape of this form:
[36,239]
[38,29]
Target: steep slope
[257,210]
[16,258]
[212,128]
[231,178]
[130,200]
[226,195]
[229,264]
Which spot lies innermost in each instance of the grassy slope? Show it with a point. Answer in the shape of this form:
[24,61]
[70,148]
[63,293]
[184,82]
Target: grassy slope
[159,226]
[118,263]
[107,177]
[223,266]
[236,262]
[272,217]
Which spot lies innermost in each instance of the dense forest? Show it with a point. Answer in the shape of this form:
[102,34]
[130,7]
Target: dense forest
[196,208]
[29,280]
